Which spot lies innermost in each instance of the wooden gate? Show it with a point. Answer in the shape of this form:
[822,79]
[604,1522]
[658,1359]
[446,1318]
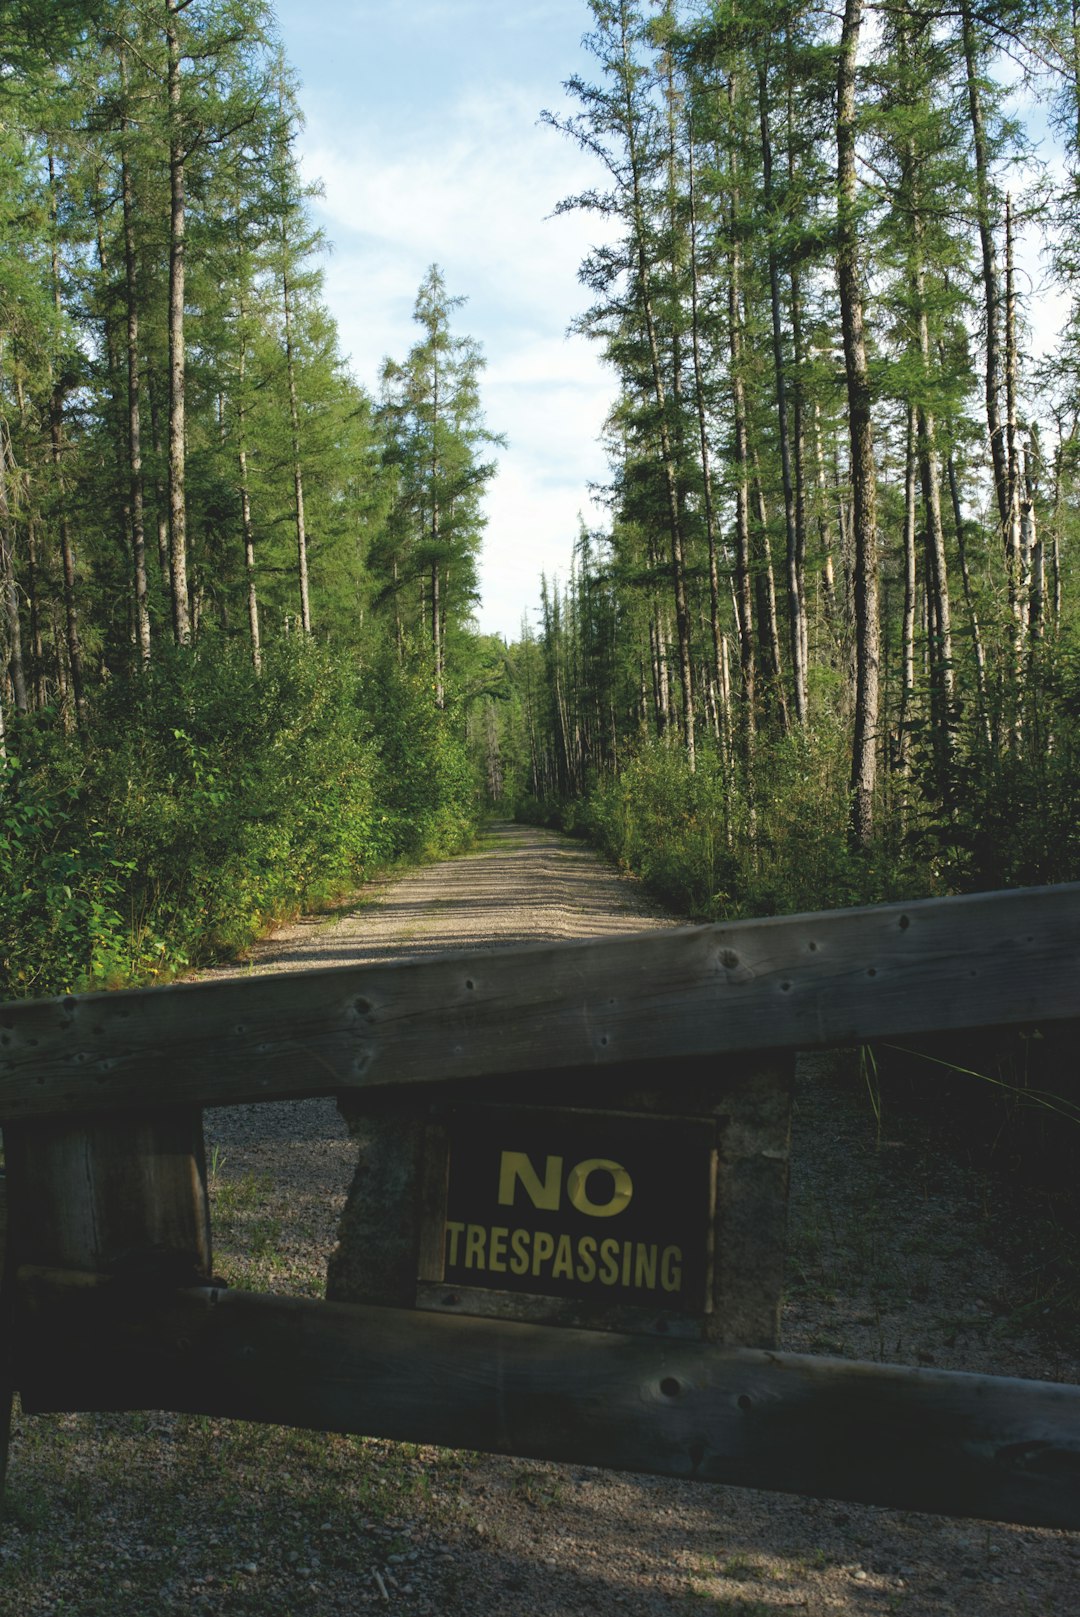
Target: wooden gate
[566,1237]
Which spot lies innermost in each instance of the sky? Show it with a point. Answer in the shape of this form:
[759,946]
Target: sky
[422,123]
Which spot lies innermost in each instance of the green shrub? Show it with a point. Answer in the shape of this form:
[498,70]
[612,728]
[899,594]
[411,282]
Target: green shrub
[206,802]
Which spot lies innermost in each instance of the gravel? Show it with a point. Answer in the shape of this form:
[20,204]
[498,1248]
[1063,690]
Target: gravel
[890,1259]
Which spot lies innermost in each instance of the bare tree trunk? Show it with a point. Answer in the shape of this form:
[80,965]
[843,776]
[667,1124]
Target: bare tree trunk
[1014,546]
[772,661]
[863,476]
[794,560]
[667,450]
[135,477]
[294,424]
[37,647]
[703,436]
[743,588]
[177,366]
[56,433]
[67,560]
[249,536]
[8,581]
[907,639]
[1032,545]
[969,602]
[991,286]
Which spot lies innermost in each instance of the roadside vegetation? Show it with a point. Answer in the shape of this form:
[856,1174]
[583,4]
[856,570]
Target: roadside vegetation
[236,657]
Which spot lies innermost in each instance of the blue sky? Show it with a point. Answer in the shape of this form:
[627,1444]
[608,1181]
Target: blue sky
[422,124]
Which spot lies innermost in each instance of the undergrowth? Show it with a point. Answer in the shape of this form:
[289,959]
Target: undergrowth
[204,803]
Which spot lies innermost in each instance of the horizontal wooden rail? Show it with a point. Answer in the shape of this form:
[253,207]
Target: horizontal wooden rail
[795,982]
[915,1439]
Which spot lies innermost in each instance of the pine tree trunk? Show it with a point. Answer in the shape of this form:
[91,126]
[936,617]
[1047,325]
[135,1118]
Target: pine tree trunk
[796,614]
[9,583]
[969,602]
[941,658]
[991,286]
[772,661]
[177,365]
[863,475]
[907,634]
[741,476]
[134,421]
[297,468]
[703,440]
[1014,544]
[667,451]
[249,542]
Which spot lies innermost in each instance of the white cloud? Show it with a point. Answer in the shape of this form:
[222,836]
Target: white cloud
[473,189]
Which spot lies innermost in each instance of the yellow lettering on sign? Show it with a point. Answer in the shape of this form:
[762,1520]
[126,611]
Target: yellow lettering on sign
[563,1267]
[515,1165]
[645,1267]
[519,1252]
[475,1238]
[586,1269]
[577,1187]
[609,1263]
[497,1250]
[454,1231]
[543,1247]
[671,1268]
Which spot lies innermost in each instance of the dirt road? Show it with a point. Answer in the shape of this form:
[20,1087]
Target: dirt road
[888,1261]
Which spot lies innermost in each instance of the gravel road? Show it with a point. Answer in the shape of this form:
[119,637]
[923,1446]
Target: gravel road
[888,1260]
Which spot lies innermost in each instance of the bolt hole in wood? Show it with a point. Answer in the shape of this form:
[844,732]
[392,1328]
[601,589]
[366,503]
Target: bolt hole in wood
[469,984]
[745,1401]
[697,1454]
[871,971]
[670,1387]
[729,959]
[904,922]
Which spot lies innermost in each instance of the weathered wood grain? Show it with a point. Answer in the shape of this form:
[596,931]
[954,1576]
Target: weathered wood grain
[119,1196]
[791,982]
[915,1439]
[5,1341]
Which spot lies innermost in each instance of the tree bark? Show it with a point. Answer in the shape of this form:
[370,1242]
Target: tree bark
[863,476]
[177,269]
[991,286]
[134,421]
[796,611]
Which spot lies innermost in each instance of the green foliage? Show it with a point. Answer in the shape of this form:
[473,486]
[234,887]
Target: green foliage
[210,803]
[713,847]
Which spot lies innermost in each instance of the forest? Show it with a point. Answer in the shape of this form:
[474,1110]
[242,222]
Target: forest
[822,651]
[825,651]
[236,638]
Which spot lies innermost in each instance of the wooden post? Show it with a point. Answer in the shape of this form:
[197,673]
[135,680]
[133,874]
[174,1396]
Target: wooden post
[125,1197]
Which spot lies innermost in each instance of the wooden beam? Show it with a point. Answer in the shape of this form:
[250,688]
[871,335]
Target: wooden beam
[5,1342]
[791,982]
[913,1439]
